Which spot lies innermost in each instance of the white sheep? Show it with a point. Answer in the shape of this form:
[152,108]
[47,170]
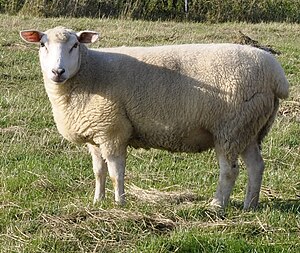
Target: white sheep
[181,98]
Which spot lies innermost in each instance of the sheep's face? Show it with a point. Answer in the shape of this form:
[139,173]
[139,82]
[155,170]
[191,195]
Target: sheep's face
[59,56]
[59,51]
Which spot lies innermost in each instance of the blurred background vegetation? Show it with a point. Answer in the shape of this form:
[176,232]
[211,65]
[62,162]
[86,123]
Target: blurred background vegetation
[213,11]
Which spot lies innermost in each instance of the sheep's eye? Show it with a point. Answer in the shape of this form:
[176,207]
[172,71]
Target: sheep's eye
[42,44]
[74,46]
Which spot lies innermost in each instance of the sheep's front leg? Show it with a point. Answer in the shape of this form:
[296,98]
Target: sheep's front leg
[228,174]
[100,171]
[116,170]
[255,167]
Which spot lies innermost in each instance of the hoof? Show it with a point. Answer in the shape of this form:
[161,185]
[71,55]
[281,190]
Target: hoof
[216,210]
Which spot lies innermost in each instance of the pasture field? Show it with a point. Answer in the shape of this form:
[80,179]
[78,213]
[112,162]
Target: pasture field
[47,184]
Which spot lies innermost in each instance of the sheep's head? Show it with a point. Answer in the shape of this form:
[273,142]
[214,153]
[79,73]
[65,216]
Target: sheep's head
[59,51]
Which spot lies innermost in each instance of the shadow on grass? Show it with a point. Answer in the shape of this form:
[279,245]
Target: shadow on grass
[282,205]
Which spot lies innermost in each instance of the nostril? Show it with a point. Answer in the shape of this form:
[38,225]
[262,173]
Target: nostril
[58,72]
[61,71]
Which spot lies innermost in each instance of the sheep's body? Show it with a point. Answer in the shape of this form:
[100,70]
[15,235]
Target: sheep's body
[171,97]
[185,98]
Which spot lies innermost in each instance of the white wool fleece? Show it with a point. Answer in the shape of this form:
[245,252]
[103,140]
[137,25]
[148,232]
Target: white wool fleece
[181,98]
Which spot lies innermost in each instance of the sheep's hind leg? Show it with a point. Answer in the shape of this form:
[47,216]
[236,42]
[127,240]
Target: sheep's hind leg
[100,171]
[116,170]
[228,173]
[255,167]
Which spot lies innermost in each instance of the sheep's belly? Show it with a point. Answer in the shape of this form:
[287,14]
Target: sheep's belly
[196,140]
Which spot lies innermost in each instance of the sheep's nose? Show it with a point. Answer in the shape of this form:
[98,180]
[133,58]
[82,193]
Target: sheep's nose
[58,72]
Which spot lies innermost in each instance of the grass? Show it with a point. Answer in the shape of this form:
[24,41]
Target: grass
[213,11]
[46,183]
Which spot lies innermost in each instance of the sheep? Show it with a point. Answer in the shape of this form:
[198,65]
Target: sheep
[180,98]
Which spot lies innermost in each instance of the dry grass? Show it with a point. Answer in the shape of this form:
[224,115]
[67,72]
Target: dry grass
[154,196]
[291,107]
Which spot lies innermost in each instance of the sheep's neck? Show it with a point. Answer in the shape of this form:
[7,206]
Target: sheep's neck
[59,95]
[62,103]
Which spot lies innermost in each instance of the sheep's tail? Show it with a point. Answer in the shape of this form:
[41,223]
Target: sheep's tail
[280,83]
[281,86]
[266,128]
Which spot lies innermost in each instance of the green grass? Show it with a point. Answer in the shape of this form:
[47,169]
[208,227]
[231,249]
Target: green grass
[213,11]
[46,183]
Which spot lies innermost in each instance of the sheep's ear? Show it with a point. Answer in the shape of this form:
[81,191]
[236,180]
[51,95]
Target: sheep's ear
[31,36]
[87,36]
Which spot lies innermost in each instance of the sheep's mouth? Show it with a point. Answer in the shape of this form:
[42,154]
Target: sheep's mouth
[58,80]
